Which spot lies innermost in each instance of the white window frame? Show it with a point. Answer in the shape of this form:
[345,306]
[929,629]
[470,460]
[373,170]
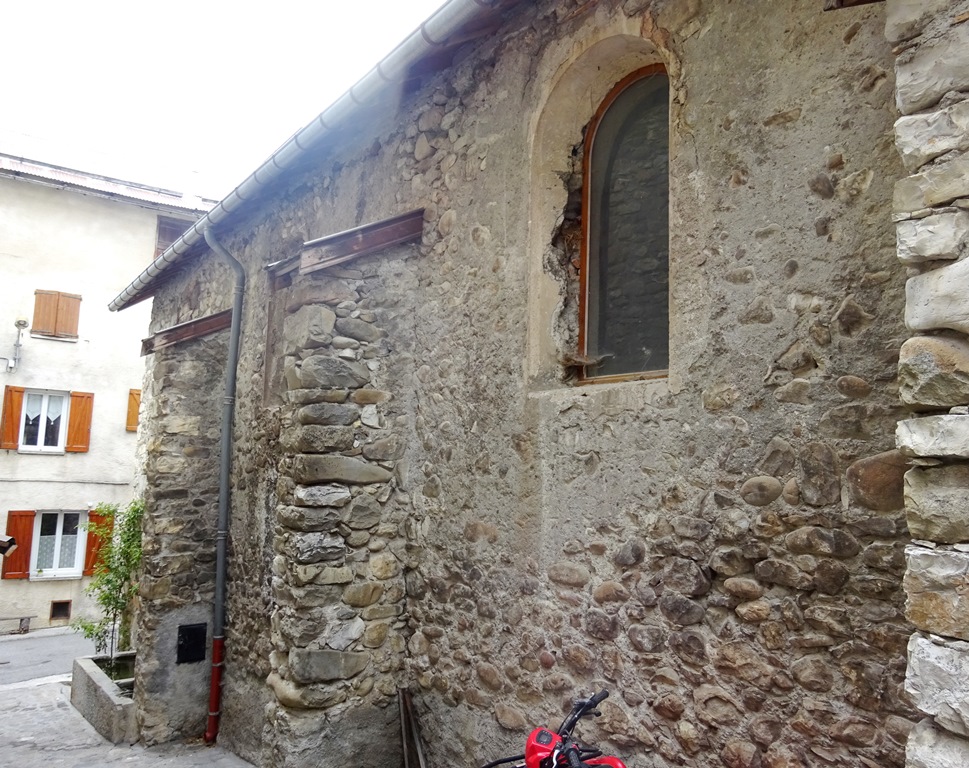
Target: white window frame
[22,447]
[74,571]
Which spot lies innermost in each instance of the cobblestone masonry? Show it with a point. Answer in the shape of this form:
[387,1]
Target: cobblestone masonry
[421,494]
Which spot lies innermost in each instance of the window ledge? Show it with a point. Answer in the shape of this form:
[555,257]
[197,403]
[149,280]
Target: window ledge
[641,389]
[42,451]
[624,377]
[68,339]
[74,575]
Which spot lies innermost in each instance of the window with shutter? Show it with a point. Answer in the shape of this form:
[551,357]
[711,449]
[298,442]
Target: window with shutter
[59,544]
[45,421]
[94,541]
[79,424]
[13,399]
[169,230]
[20,525]
[56,314]
[134,404]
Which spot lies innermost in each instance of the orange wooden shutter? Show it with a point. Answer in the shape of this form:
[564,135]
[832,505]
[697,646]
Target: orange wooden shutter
[68,313]
[13,401]
[94,542]
[45,312]
[134,404]
[20,525]
[79,422]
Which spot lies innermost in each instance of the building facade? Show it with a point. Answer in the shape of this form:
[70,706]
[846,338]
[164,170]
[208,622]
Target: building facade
[583,344]
[71,371]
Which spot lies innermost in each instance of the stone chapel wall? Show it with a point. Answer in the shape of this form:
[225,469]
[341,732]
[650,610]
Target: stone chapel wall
[423,496]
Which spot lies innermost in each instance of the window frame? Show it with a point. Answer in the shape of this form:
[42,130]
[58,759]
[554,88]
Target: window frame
[586,218]
[65,416]
[76,571]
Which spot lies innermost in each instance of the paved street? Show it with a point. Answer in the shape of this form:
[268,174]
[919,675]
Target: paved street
[40,729]
[41,653]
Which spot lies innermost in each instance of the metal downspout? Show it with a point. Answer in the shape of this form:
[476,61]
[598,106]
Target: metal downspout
[225,464]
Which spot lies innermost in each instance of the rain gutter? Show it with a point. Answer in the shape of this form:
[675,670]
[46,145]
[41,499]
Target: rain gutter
[225,466]
[431,36]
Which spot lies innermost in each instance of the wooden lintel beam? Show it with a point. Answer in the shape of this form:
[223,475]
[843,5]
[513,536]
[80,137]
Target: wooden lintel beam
[834,5]
[370,238]
[193,329]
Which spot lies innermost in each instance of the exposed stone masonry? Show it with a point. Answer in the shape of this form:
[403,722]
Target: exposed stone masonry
[930,208]
[338,575]
[178,573]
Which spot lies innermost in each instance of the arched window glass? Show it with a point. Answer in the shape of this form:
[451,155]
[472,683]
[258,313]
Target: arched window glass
[624,306]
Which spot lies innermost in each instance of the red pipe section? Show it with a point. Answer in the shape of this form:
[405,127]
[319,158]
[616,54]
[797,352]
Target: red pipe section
[215,690]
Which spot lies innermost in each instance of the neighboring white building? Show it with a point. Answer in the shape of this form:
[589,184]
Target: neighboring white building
[70,370]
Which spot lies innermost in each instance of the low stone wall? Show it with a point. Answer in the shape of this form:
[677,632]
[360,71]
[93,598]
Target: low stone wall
[98,698]
[931,208]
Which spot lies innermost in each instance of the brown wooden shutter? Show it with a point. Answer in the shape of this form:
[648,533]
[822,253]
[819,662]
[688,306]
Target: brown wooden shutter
[56,313]
[68,313]
[45,312]
[20,525]
[13,401]
[79,422]
[94,542]
[134,404]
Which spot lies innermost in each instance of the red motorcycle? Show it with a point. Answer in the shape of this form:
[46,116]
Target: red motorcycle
[557,749]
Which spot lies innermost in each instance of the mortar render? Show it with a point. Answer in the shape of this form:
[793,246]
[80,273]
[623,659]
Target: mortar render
[422,497]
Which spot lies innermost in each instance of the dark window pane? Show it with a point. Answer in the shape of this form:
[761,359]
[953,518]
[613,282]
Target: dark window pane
[71,521]
[48,524]
[31,429]
[627,310]
[52,432]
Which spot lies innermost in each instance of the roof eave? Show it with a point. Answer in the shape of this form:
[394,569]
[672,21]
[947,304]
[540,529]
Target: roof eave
[432,36]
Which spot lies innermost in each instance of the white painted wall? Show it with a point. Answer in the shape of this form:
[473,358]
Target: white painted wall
[63,240]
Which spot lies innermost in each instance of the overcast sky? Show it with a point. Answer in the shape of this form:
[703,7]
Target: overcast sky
[191,95]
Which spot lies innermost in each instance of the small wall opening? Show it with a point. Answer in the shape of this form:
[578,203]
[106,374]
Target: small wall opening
[191,643]
[60,610]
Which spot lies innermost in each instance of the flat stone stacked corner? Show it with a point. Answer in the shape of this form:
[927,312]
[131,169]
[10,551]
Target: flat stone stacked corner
[337,574]
[931,209]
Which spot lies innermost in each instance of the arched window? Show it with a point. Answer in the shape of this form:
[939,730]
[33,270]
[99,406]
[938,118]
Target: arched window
[624,301]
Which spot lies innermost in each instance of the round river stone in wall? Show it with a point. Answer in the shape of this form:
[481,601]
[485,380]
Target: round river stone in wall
[760,491]
[680,610]
[569,574]
[877,482]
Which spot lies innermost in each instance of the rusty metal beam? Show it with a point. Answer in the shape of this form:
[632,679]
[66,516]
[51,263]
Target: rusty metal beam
[193,329]
[370,238]
[834,5]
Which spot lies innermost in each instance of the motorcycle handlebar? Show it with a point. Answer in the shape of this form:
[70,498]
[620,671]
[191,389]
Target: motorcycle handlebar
[572,757]
[599,698]
[580,709]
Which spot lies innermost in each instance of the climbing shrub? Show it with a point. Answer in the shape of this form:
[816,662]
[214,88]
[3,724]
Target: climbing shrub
[114,585]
